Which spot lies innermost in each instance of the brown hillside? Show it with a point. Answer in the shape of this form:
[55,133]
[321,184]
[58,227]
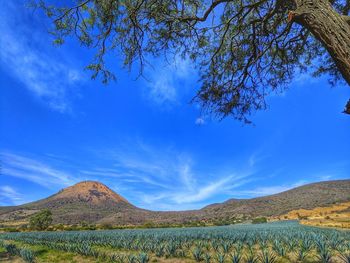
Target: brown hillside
[87,201]
[89,192]
[94,202]
[336,215]
[306,197]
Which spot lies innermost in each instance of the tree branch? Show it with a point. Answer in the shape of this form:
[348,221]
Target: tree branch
[347,19]
[71,9]
[206,14]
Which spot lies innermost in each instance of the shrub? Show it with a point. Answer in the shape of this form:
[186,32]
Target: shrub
[41,220]
[259,220]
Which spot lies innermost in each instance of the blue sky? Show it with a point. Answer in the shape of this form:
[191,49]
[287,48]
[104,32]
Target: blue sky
[142,137]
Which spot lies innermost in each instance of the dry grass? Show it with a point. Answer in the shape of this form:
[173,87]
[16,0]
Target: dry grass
[337,215]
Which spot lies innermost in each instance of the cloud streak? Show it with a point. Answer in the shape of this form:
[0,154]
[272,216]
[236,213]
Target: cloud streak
[200,121]
[203,193]
[35,171]
[167,81]
[27,58]
[9,195]
[152,177]
[164,178]
[269,190]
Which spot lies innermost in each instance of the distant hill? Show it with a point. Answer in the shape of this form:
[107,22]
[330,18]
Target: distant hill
[304,197]
[94,202]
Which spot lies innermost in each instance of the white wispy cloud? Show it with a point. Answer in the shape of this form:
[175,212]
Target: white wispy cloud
[186,175]
[35,171]
[163,178]
[136,162]
[202,193]
[150,176]
[9,195]
[269,190]
[199,196]
[200,121]
[167,81]
[326,177]
[30,58]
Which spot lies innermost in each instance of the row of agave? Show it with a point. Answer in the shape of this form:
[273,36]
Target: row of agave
[240,243]
[28,255]
[25,253]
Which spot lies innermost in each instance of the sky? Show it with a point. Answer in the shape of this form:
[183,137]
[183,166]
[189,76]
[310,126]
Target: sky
[143,137]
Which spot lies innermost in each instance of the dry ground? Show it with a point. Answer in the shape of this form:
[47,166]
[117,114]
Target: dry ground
[337,215]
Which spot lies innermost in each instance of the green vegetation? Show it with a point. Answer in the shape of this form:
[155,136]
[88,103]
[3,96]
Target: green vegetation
[12,250]
[271,242]
[86,226]
[244,50]
[41,220]
[27,254]
[259,220]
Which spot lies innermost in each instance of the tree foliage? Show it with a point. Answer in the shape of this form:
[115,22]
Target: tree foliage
[244,49]
[41,220]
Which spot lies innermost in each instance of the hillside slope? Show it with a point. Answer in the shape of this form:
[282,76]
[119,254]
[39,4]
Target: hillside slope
[336,215]
[307,197]
[87,201]
[94,202]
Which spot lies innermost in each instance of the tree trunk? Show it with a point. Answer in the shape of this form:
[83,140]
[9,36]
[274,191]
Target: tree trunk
[329,27]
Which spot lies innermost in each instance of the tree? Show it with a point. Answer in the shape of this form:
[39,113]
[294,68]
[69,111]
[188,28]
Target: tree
[244,49]
[41,220]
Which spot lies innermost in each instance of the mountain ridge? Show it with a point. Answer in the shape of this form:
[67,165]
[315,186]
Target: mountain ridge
[94,202]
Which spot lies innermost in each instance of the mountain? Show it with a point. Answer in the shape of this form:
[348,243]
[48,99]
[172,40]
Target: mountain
[93,193]
[307,197]
[87,201]
[94,202]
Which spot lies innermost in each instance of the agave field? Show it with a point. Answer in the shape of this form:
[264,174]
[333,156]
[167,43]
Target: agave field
[271,242]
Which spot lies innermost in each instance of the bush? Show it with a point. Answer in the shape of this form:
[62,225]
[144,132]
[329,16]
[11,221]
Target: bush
[106,226]
[11,229]
[259,220]
[149,225]
[41,220]
[303,217]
